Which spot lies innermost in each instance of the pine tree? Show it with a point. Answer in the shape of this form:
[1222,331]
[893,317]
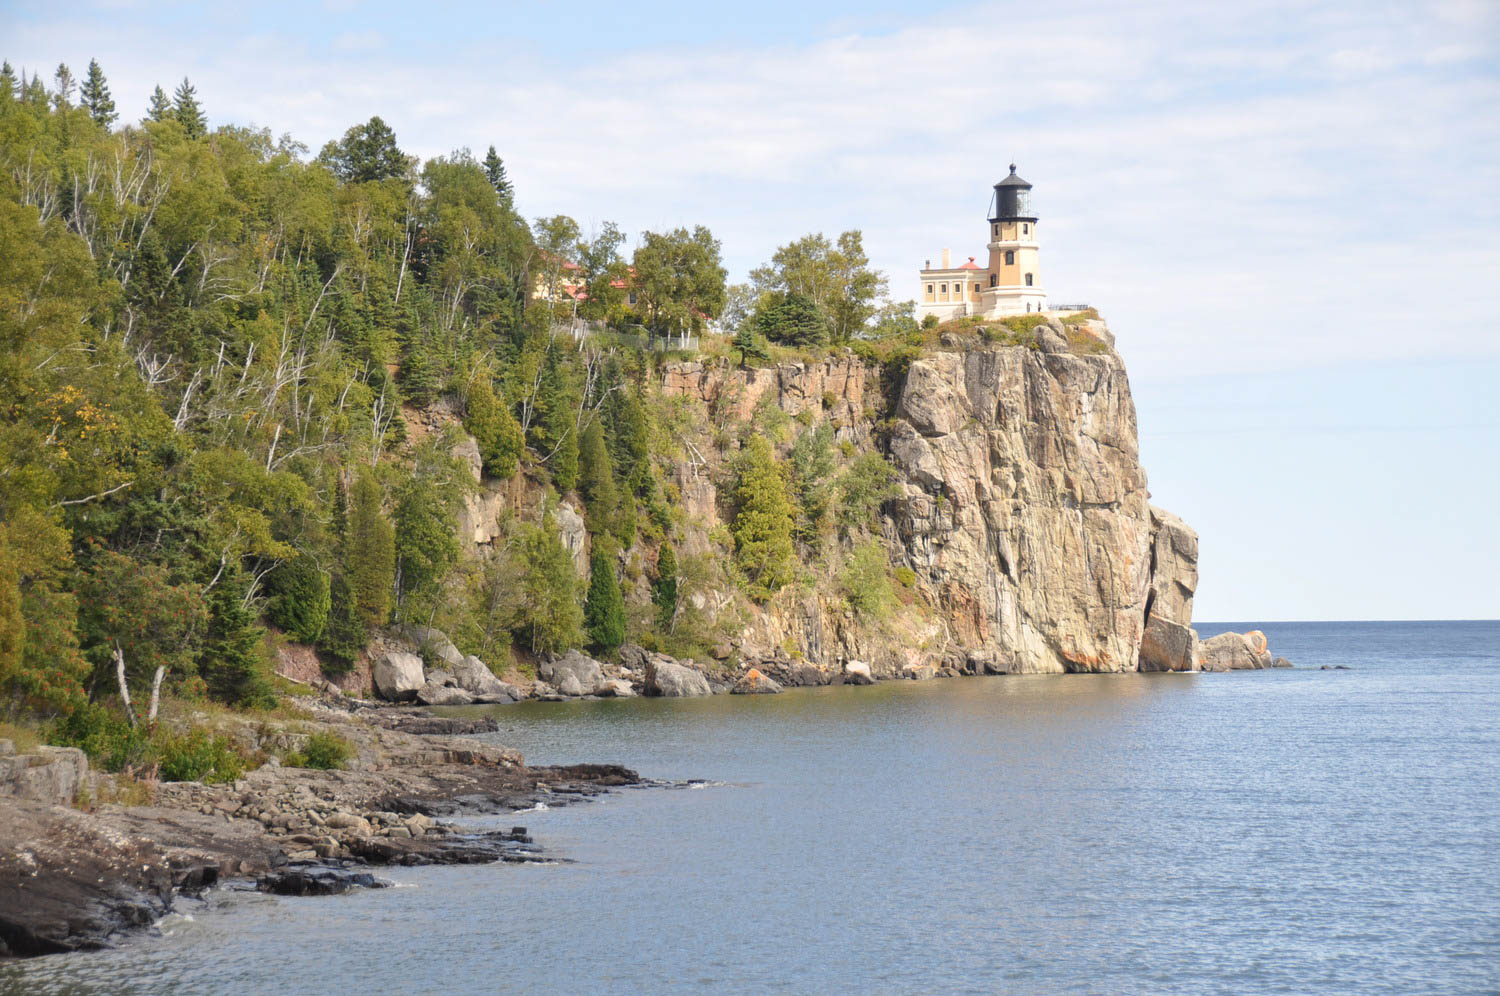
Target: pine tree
[369,552]
[186,110]
[96,97]
[344,635]
[494,168]
[604,608]
[160,108]
[596,479]
[549,616]
[232,662]
[664,588]
[495,429]
[763,525]
[7,82]
[750,344]
[63,87]
[36,91]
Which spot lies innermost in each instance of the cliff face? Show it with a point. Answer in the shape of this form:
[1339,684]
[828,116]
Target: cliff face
[1023,512]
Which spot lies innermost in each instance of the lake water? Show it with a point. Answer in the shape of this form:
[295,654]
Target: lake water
[1299,831]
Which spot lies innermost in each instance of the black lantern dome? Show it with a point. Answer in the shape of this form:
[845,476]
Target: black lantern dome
[1012,199]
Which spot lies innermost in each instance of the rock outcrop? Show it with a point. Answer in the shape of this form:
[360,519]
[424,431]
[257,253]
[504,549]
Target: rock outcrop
[398,676]
[1235,652]
[668,678]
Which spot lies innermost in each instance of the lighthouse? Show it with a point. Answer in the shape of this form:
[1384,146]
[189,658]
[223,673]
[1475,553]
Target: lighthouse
[1010,283]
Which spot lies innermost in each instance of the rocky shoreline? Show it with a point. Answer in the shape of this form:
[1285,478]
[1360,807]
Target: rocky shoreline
[75,878]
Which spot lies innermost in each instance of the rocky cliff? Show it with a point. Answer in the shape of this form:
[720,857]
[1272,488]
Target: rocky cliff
[1023,511]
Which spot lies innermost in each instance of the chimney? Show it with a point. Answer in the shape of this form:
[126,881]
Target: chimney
[947,259]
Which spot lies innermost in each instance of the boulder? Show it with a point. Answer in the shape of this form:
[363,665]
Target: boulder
[668,678]
[616,688]
[53,775]
[1168,646]
[1281,662]
[348,821]
[432,642]
[570,686]
[919,672]
[433,694]
[1049,340]
[586,672]
[858,673]
[472,676]
[634,656]
[755,683]
[398,676]
[1231,652]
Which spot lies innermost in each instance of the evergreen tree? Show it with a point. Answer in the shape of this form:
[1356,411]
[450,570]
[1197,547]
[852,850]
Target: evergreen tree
[96,97]
[7,82]
[36,91]
[12,623]
[367,153]
[233,662]
[186,110]
[664,588]
[63,87]
[420,379]
[763,524]
[604,608]
[596,479]
[344,635]
[750,343]
[790,319]
[160,108]
[494,170]
[299,598]
[369,552]
[495,429]
[426,535]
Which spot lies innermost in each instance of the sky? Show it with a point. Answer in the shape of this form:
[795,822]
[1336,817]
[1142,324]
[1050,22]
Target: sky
[1289,212]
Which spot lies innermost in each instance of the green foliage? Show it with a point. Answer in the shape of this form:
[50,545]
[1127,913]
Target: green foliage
[298,598]
[324,750]
[426,524]
[233,662]
[104,734]
[679,280]
[929,321]
[604,608]
[868,483]
[187,112]
[96,98]
[495,429]
[369,552]
[345,633]
[664,586]
[366,154]
[160,108]
[763,522]
[833,277]
[198,756]
[811,461]
[790,319]
[136,607]
[596,480]
[494,171]
[548,616]
[866,581]
[750,343]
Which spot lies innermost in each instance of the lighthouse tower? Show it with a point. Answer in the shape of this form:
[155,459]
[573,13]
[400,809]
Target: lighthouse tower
[1011,284]
[1015,277]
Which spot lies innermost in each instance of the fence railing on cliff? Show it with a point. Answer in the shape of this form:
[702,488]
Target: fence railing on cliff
[642,339]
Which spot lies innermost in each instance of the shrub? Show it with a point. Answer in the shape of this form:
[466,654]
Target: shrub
[104,734]
[930,322]
[324,750]
[866,582]
[197,756]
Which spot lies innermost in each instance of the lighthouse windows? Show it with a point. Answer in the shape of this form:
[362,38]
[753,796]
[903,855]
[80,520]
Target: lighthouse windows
[1010,257]
[1028,280]
[1025,229]
[997,231]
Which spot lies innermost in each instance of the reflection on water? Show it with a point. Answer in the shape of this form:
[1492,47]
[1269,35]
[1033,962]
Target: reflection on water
[1302,831]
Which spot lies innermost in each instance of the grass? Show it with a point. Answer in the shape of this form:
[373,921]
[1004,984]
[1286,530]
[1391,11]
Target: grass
[25,738]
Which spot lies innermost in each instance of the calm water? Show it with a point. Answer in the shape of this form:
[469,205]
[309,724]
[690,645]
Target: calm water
[1296,831]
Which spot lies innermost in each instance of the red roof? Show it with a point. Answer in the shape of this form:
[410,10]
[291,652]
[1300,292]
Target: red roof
[971,265]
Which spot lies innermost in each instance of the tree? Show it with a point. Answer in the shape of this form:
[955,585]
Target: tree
[679,280]
[160,108]
[344,636]
[604,608]
[557,242]
[96,97]
[186,110]
[596,479]
[863,488]
[811,460]
[896,318]
[664,587]
[603,272]
[866,580]
[366,154]
[751,344]
[369,552]
[299,598]
[232,663]
[426,523]
[789,318]
[835,277]
[7,82]
[63,87]
[763,521]
[548,615]
[494,171]
[495,429]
